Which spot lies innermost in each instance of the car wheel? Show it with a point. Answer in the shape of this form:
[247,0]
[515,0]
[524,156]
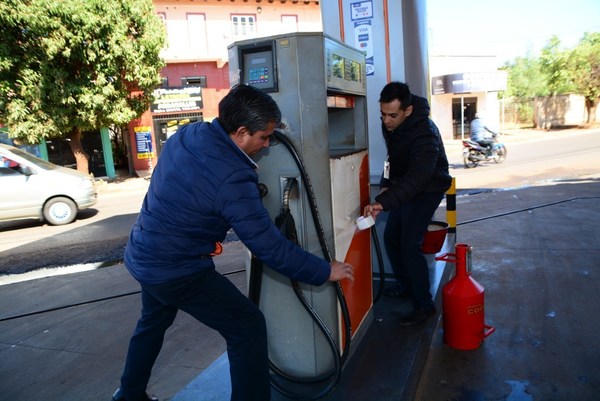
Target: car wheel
[59,211]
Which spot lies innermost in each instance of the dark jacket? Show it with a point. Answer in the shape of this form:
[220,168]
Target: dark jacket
[417,158]
[202,186]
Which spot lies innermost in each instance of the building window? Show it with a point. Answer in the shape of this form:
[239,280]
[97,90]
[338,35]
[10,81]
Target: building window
[197,33]
[289,23]
[243,25]
[194,81]
[163,17]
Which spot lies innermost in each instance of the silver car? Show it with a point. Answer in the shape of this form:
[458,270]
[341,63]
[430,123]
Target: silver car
[34,188]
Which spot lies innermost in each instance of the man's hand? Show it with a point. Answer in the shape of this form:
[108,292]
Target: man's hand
[373,209]
[340,271]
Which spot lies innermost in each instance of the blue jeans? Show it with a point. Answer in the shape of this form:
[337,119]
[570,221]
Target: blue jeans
[215,301]
[403,236]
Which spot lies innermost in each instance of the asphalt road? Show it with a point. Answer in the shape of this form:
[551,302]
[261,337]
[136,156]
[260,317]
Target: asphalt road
[533,158]
[99,235]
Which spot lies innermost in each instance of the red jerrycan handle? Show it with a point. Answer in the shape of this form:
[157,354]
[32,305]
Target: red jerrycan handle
[447,257]
[488,330]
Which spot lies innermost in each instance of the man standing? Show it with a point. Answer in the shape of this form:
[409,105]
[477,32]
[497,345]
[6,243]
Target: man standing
[413,184]
[204,184]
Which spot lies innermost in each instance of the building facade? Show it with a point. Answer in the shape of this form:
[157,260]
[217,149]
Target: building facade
[196,75]
[462,85]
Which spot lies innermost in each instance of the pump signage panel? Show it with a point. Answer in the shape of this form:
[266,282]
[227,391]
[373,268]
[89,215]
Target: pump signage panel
[361,10]
[363,39]
[362,17]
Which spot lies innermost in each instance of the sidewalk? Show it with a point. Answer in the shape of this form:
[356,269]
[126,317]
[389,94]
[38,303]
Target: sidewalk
[536,251]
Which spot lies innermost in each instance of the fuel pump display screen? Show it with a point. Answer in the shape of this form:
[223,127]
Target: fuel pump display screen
[346,69]
[258,67]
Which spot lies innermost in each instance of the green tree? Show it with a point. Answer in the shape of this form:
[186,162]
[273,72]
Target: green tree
[584,63]
[526,79]
[69,66]
[554,63]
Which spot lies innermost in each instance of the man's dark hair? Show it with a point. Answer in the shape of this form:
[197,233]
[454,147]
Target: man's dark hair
[396,91]
[248,106]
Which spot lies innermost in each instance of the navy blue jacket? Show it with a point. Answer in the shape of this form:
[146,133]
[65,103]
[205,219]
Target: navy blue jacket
[202,186]
[417,158]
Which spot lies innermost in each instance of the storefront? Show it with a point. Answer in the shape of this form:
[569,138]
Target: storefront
[171,109]
[457,97]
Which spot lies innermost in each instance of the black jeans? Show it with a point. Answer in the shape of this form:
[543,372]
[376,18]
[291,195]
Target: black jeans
[486,143]
[215,301]
[403,237]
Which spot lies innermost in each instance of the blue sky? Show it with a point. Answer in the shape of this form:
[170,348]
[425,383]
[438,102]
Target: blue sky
[507,28]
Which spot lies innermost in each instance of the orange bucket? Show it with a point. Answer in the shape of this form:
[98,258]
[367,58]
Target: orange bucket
[434,237]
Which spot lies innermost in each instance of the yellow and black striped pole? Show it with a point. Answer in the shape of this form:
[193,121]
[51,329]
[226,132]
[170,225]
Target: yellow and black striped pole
[451,207]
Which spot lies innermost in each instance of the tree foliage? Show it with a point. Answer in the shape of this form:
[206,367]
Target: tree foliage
[554,62]
[558,71]
[584,61]
[525,79]
[69,66]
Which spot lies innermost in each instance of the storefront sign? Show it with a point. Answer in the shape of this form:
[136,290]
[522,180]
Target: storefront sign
[143,141]
[467,82]
[177,100]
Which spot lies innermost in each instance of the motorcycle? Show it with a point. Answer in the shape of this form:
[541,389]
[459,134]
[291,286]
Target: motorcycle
[474,153]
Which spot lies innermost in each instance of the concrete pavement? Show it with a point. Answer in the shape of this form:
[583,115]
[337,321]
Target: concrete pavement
[538,258]
[536,251]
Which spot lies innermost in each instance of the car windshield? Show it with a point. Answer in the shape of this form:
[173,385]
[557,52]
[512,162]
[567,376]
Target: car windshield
[34,159]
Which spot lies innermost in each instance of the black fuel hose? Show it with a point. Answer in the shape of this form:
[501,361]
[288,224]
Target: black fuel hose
[380,263]
[286,224]
[339,360]
[313,205]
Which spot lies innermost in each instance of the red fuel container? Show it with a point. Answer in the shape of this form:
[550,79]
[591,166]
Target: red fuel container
[463,305]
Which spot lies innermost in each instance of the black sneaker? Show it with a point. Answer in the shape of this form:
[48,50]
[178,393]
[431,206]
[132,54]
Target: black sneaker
[417,317]
[396,293]
[117,396]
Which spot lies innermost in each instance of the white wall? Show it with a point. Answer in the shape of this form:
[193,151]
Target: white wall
[443,64]
[184,40]
[441,114]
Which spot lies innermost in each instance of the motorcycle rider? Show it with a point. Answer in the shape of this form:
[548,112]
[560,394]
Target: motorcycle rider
[481,134]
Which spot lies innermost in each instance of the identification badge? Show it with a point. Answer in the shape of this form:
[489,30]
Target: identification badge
[386,170]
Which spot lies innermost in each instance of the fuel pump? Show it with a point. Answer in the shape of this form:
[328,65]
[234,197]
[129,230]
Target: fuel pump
[318,172]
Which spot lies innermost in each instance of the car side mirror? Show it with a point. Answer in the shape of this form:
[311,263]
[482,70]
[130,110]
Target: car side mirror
[26,170]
